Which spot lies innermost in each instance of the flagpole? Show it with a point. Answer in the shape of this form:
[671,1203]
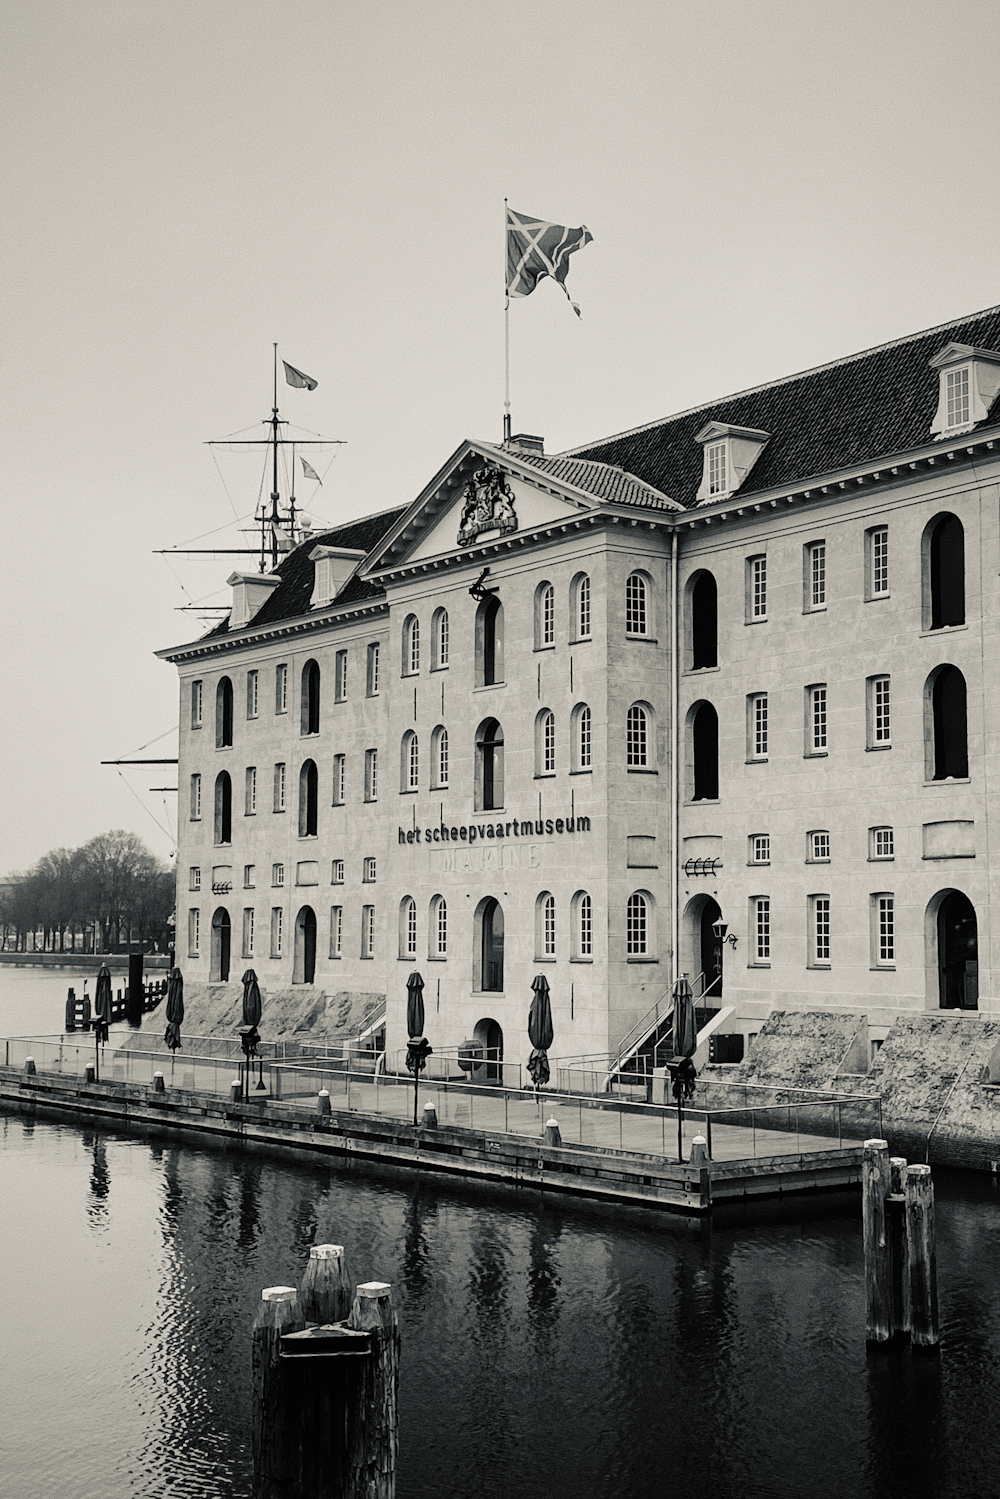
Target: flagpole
[506,333]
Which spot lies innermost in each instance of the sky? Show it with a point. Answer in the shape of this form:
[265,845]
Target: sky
[186,182]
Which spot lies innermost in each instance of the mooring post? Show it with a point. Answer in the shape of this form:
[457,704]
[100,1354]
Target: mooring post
[878,1265]
[553,1135]
[71,1010]
[922,1253]
[235,1090]
[699,1151]
[29,1066]
[895,1207]
[275,1450]
[372,1445]
[89,1073]
[158,1084]
[430,1116]
[323,1101]
[325,1292]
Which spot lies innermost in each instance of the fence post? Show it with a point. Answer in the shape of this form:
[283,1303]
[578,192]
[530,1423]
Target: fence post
[878,1268]
[922,1252]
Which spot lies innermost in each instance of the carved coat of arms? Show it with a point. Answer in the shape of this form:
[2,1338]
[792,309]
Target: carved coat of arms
[488,505]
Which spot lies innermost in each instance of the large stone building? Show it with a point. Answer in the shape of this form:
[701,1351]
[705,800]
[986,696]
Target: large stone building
[562,714]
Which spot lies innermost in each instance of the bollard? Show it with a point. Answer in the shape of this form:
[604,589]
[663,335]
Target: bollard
[325,1292]
[323,1101]
[29,1066]
[922,1252]
[552,1135]
[71,1010]
[878,1266]
[430,1116]
[275,1455]
[699,1151]
[372,1452]
[89,1073]
[158,1086]
[235,1090]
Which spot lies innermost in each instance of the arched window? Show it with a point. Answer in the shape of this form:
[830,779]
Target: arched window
[704,606]
[310,698]
[580,607]
[438,927]
[583,925]
[489,766]
[489,642]
[943,567]
[439,640]
[545,616]
[705,753]
[308,799]
[636,738]
[439,756]
[638,933]
[636,605]
[224,714]
[409,773]
[545,743]
[489,919]
[946,736]
[223,808]
[411,646]
[545,925]
[407,927]
[581,733]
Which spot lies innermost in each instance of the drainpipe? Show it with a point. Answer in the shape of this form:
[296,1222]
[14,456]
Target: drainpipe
[675,853]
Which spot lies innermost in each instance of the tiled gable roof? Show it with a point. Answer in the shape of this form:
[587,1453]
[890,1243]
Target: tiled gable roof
[604,481]
[881,401]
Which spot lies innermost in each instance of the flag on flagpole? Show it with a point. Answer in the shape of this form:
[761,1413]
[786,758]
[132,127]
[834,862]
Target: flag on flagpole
[308,471]
[298,379]
[536,249]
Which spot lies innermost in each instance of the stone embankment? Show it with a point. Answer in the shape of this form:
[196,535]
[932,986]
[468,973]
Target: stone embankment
[305,1012]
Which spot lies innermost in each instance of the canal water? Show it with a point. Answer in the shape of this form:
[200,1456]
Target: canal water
[549,1351]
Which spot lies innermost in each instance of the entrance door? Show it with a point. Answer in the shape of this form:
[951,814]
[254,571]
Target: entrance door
[493,946]
[958,953]
[711,954]
[304,967]
[220,946]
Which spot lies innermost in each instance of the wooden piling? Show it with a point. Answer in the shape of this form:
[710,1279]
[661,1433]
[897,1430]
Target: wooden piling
[895,1207]
[922,1258]
[158,1084]
[430,1117]
[875,1181]
[71,1010]
[374,1439]
[699,1151]
[89,1073]
[323,1101]
[553,1135]
[325,1292]
[275,1450]
[29,1066]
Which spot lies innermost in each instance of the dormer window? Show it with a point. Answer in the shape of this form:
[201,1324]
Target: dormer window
[333,567]
[730,454]
[969,380]
[250,592]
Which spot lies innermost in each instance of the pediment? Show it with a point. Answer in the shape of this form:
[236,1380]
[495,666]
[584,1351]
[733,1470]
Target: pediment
[481,495]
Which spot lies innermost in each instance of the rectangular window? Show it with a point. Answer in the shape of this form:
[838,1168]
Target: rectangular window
[883,930]
[760,848]
[251,694]
[248,932]
[818,847]
[251,793]
[816,720]
[194,878]
[717,468]
[371,775]
[819,929]
[277,875]
[340,677]
[367,931]
[194,932]
[815,575]
[195,797]
[338,780]
[373,669]
[877,562]
[277,923]
[281,688]
[761,927]
[880,843]
[336,931]
[368,874]
[196,699]
[337,872]
[879,728]
[279,786]
[756,588]
[957,390]
[249,876]
[757,726]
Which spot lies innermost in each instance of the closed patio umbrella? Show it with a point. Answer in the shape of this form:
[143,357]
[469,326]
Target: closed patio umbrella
[175,1009]
[417,1050]
[685,1042]
[102,1012]
[252,1011]
[540,1032]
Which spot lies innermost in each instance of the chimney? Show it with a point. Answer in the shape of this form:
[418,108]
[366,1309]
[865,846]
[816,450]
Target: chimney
[527,444]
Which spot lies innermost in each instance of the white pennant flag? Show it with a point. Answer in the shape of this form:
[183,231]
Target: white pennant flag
[308,471]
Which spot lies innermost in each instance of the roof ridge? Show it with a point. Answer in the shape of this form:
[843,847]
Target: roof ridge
[751,390]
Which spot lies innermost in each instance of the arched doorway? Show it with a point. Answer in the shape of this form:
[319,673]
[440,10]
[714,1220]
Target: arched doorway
[958,953]
[492,969]
[489,1037]
[711,954]
[304,967]
[221,932]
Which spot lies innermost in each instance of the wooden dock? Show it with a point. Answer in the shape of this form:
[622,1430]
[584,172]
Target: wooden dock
[506,1161]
